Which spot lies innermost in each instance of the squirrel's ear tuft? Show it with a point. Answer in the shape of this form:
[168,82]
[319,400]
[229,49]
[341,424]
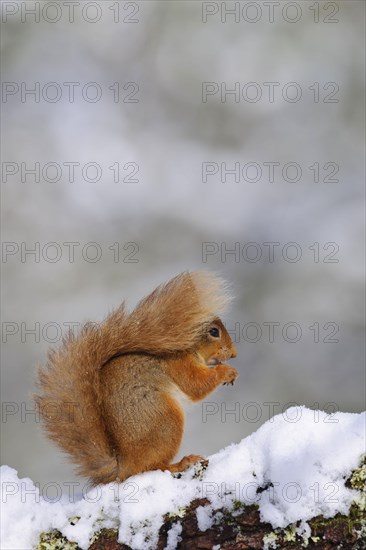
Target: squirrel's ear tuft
[171,317]
[212,292]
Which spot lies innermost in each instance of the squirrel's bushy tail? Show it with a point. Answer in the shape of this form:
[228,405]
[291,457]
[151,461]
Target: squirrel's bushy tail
[168,320]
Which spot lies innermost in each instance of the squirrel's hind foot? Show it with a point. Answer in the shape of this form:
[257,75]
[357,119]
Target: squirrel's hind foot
[185,463]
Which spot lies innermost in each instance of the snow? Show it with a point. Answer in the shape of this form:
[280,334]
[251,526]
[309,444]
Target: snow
[204,517]
[299,459]
[174,536]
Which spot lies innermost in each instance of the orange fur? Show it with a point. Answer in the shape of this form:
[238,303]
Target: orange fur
[108,397]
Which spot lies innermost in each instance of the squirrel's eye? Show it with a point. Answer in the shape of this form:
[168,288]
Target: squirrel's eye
[214,332]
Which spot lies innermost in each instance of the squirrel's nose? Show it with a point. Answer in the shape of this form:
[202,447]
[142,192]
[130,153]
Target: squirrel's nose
[233,354]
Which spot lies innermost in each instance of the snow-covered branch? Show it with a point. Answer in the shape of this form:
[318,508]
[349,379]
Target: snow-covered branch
[298,479]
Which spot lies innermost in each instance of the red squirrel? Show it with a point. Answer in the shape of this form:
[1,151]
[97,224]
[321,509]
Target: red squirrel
[109,396]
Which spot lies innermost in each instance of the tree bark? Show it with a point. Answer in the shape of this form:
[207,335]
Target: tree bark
[241,529]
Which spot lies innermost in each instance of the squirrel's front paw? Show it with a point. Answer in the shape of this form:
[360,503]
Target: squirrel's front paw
[229,374]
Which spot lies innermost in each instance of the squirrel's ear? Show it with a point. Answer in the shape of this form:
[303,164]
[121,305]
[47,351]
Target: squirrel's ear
[212,292]
[171,317]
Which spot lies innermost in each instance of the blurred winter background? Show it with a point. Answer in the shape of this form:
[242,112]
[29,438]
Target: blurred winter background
[157,136]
